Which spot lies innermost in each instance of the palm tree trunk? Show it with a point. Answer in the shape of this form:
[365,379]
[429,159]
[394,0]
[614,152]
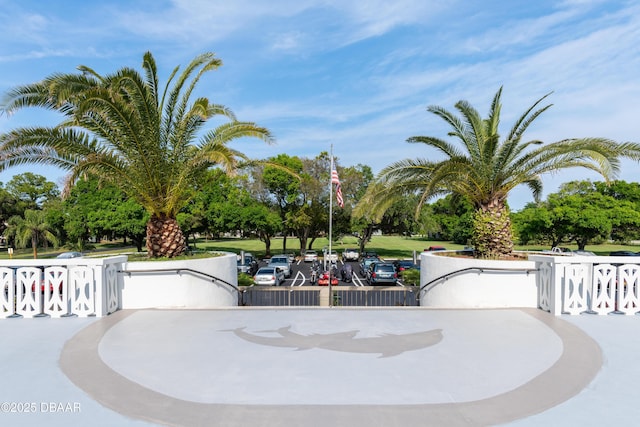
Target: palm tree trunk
[164,237]
[492,233]
[34,245]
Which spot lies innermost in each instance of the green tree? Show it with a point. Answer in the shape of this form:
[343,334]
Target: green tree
[485,169]
[33,228]
[579,217]
[355,182]
[33,190]
[454,216]
[102,210]
[624,217]
[535,224]
[264,221]
[9,207]
[578,212]
[310,220]
[284,189]
[127,129]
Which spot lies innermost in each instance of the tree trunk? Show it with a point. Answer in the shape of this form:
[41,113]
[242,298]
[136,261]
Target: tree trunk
[492,233]
[582,243]
[267,245]
[34,244]
[164,237]
[303,243]
[364,237]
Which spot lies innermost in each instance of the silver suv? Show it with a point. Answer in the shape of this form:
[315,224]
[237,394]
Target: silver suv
[281,262]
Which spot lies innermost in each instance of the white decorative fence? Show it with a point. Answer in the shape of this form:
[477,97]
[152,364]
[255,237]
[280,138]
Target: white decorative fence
[588,284]
[60,287]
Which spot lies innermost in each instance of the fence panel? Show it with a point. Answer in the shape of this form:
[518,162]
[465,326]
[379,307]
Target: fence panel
[341,296]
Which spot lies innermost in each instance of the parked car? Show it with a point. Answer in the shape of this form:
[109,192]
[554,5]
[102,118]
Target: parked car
[270,276]
[310,255]
[350,255]
[403,264]
[366,263]
[624,253]
[331,257]
[382,273]
[282,262]
[365,266]
[249,266]
[68,255]
[584,253]
[369,254]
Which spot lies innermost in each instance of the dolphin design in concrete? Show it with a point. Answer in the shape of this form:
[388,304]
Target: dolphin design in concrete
[386,345]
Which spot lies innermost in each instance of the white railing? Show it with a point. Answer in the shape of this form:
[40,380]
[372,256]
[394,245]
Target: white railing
[588,284]
[60,287]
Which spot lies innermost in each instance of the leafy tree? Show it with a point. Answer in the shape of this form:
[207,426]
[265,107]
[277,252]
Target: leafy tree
[33,229]
[129,221]
[624,216]
[311,219]
[454,216]
[355,182]
[577,212]
[284,189]
[9,207]
[582,218]
[534,224]
[99,210]
[485,169]
[127,129]
[54,212]
[32,190]
[620,190]
[265,221]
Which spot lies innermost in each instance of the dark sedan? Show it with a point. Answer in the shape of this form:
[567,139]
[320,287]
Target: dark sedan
[403,264]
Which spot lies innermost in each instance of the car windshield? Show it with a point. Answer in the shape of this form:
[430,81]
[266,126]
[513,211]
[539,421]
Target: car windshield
[263,270]
[385,267]
[279,261]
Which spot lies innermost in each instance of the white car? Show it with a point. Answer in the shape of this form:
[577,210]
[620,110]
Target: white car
[281,262]
[331,257]
[67,255]
[310,256]
[350,255]
[270,276]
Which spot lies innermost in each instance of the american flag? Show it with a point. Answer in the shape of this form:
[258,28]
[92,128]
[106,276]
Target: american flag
[335,180]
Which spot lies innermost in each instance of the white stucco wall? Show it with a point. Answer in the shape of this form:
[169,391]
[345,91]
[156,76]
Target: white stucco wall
[183,290]
[475,289]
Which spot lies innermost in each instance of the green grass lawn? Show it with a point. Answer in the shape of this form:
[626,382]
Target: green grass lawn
[385,246]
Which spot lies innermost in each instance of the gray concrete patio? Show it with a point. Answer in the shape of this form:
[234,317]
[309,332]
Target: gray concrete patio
[319,367]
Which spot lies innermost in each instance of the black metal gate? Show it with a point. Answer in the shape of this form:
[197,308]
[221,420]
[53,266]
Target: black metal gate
[340,296]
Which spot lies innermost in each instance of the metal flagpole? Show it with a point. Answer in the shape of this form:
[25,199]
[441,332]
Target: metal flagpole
[330,224]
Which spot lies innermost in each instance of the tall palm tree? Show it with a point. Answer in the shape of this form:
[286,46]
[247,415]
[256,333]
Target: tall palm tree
[33,228]
[485,169]
[127,129]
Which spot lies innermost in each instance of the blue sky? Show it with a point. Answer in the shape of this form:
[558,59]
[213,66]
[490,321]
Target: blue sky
[355,74]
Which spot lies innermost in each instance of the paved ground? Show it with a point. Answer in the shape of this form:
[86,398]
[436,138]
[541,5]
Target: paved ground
[319,367]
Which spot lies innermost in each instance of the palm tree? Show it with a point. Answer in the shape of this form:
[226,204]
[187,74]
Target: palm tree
[485,169]
[33,228]
[127,129]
